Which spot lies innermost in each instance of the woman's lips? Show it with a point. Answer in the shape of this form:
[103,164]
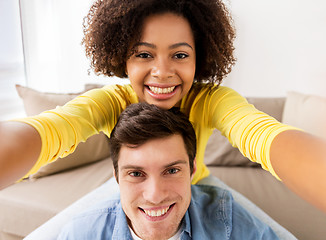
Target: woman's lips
[162,93]
[160,90]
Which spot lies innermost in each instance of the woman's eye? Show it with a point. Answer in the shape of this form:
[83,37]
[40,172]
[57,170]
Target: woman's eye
[181,55]
[143,55]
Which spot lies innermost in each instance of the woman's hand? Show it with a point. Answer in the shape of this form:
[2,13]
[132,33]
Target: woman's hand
[20,146]
[299,159]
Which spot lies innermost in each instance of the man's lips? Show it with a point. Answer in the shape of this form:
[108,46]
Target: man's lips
[157,214]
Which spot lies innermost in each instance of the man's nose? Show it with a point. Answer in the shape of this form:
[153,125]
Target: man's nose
[162,69]
[155,191]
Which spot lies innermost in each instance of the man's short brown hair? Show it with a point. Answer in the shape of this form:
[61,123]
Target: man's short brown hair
[142,122]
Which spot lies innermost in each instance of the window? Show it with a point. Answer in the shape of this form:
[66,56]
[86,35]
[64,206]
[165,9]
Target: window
[41,49]
[52,35]
[11,60]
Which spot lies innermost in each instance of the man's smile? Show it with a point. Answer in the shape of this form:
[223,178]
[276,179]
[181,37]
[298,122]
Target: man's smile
[157,214]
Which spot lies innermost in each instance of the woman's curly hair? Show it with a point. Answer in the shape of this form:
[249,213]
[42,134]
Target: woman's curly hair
[111,26]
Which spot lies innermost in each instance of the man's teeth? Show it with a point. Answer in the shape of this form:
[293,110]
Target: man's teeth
[158,90]
[158,213]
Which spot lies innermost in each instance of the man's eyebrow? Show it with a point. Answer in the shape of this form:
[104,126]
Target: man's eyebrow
[130,166]
[146,44]
[135,167]
[175,163]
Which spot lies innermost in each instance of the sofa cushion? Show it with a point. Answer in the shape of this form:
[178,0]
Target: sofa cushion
[219,152]
[26,205]
[272,196]
[94,149]
[90,86]
[307,112]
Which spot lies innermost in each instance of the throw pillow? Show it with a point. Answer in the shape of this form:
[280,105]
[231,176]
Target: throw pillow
[307,112]
[93,149]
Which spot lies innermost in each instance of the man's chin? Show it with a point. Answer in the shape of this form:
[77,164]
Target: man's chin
[157,231]
[162,235]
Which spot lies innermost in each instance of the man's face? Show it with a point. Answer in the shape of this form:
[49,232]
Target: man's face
[155,186]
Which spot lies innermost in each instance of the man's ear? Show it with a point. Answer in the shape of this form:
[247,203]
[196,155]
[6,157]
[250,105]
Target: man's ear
[194,169]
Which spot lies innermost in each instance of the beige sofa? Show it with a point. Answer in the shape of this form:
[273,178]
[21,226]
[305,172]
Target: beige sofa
[27,205]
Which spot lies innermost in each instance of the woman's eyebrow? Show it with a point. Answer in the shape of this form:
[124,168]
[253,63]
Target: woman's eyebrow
[180,44]
[146,44]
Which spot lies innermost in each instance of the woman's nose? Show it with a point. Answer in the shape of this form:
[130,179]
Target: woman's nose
[162,69]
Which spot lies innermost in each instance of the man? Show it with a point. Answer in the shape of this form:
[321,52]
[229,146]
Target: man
[153,153]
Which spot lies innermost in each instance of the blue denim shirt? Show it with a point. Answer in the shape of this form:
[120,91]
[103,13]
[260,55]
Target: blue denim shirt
[212,214]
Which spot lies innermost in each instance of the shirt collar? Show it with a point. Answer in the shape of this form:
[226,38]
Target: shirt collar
[121,229]
[186,225]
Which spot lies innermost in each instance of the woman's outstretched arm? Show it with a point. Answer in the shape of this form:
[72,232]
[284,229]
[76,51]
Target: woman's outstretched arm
[20,146]
[299,159]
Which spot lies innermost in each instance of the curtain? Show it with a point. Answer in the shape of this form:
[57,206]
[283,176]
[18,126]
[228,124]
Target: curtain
[54,57]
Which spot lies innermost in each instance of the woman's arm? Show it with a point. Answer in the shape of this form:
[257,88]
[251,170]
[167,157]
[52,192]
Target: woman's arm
[299,159]
[20,146]
[57,132]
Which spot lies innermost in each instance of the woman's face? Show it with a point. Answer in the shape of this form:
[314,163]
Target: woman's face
[162,68]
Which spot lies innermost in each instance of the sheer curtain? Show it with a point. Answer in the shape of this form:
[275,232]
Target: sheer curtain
[11,60]
[54,57]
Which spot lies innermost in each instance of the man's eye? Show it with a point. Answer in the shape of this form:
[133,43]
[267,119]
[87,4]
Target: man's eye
[136,174]
[143,55]
[173,171]
[181,55]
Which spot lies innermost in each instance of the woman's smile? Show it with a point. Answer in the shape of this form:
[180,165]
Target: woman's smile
[162,93]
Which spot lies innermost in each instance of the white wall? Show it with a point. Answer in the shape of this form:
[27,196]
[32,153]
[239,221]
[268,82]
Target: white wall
[280,46]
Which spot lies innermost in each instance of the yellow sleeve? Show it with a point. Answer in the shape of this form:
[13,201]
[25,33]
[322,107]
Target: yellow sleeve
[247,128]
[63,128]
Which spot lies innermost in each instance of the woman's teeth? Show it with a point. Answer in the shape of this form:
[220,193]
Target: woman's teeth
[159,90]
[158,213]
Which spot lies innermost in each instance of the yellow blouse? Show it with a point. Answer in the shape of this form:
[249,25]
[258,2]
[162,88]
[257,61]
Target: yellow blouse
[208,107]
